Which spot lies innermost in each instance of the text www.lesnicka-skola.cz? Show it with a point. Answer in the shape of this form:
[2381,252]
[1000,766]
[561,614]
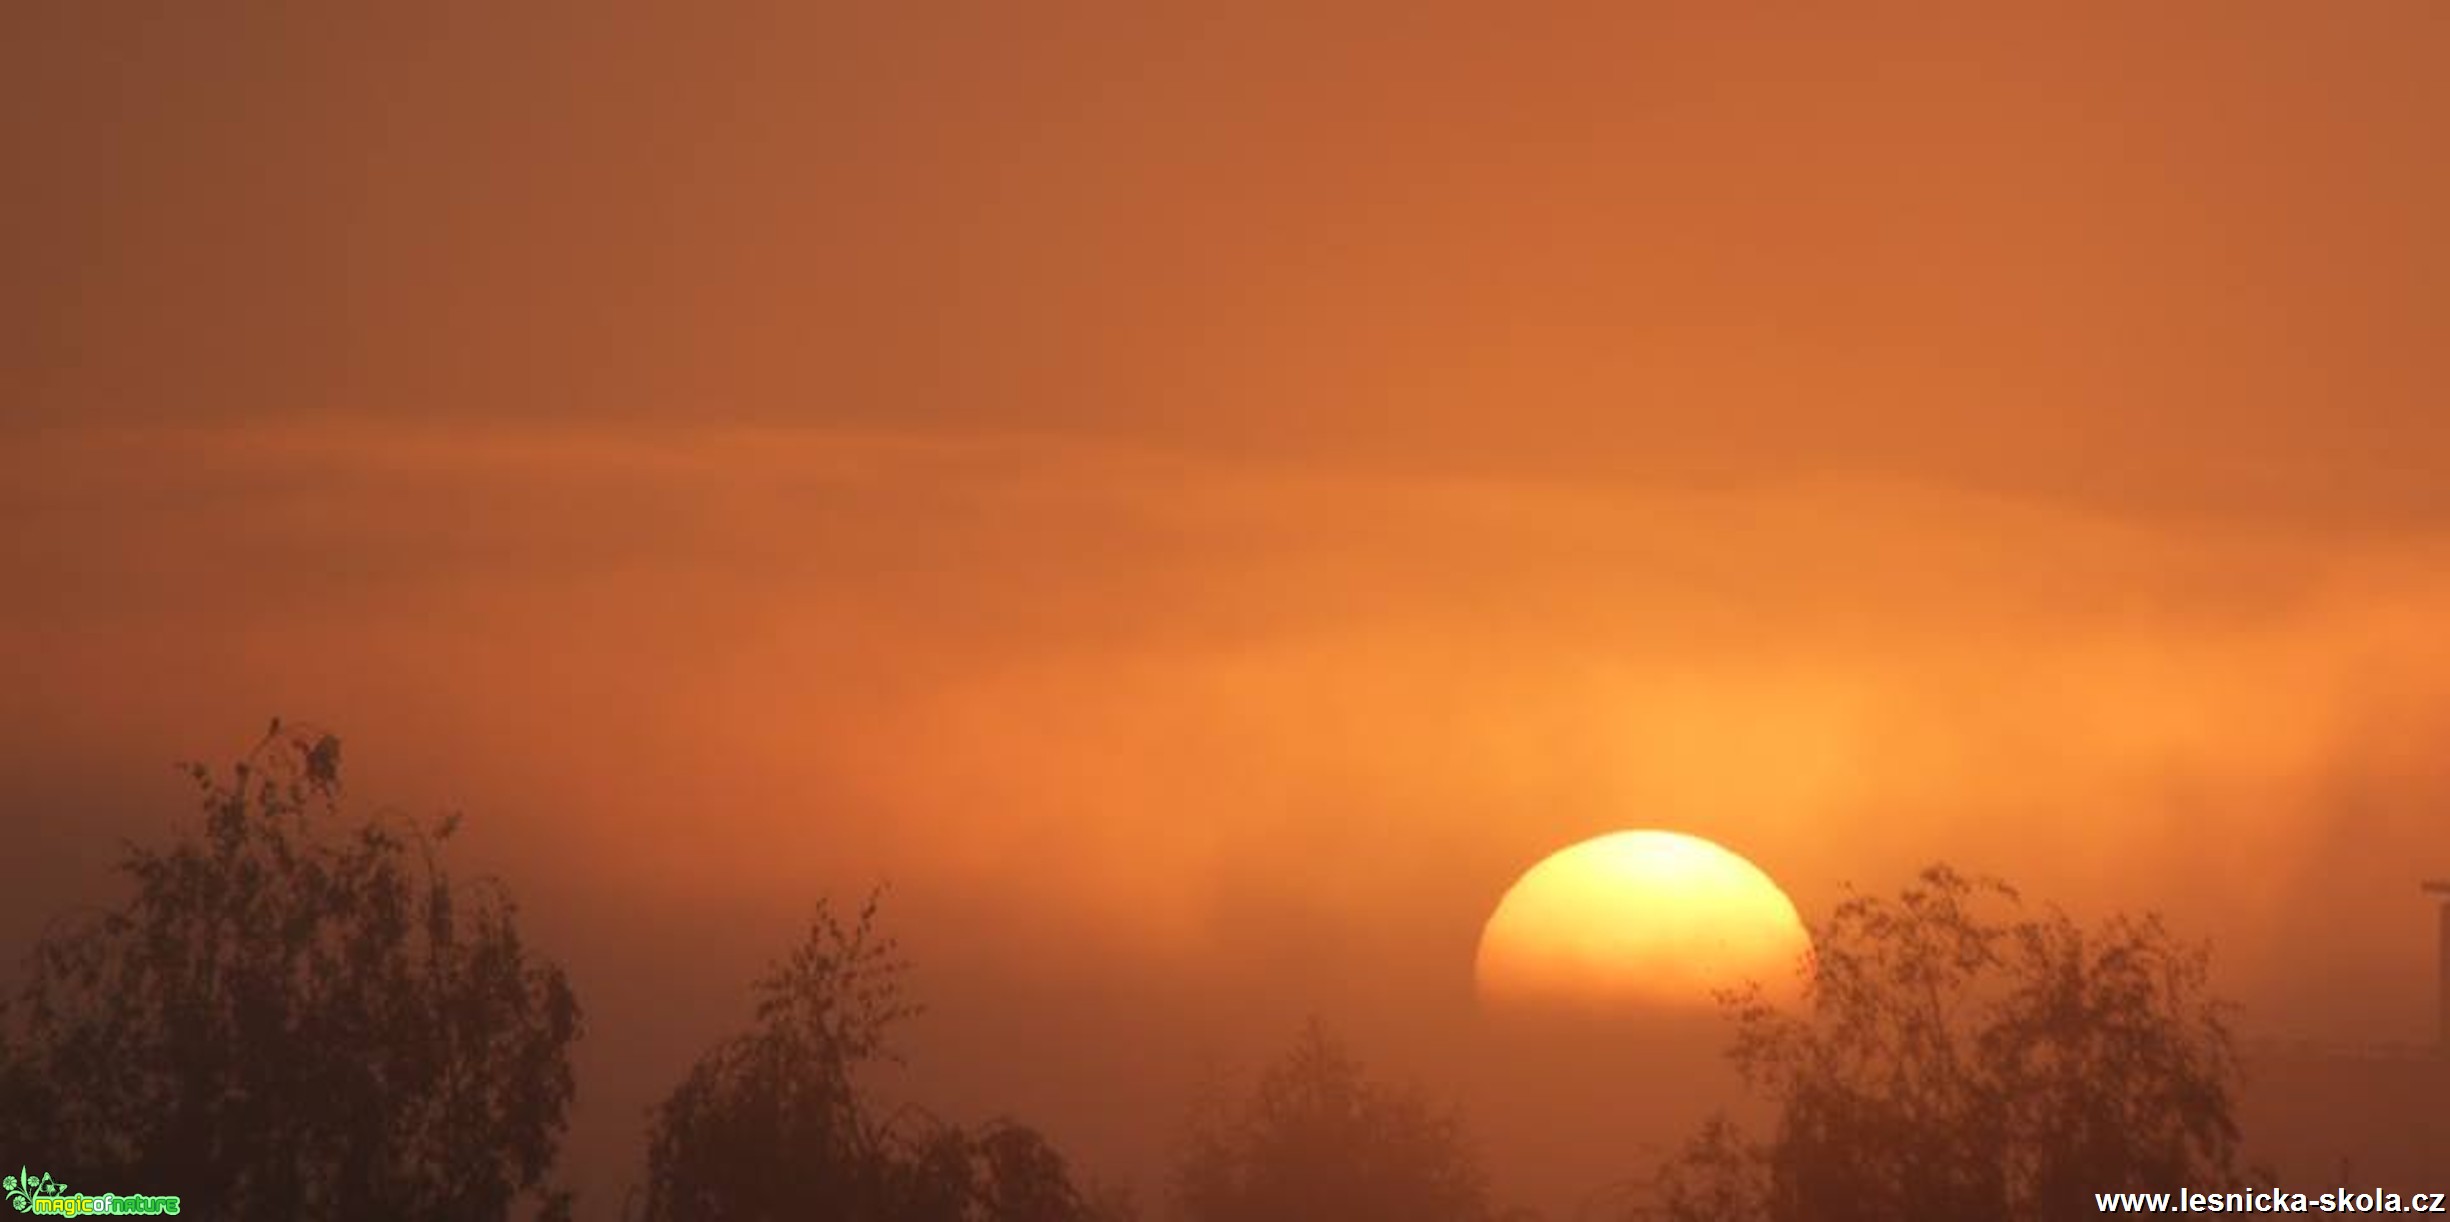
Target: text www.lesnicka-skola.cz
[2271,1201]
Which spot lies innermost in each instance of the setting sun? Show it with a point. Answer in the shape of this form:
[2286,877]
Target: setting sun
[1637,919]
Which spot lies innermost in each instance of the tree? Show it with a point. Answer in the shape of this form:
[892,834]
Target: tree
[295,1015]
[772,1124]
[1319,1140]
[1958,1056]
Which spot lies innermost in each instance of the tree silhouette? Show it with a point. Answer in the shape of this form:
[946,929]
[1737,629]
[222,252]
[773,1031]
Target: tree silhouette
[1958,1056]
[771,1123]
[1318,1140]
[295,1015]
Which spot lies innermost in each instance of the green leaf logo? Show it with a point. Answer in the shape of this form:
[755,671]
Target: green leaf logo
[24,1186]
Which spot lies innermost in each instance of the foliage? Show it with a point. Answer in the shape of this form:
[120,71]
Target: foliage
[1319,1140]
[772,1123]
[295,1016]
[1959,1056]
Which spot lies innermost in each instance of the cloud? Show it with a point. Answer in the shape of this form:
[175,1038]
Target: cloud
[1170,680]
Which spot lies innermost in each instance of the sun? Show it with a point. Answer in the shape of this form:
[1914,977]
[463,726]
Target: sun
[1638,920]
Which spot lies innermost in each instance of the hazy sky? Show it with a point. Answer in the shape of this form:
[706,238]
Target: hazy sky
[1197,503]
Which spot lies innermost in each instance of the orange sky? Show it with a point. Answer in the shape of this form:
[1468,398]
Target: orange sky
[1199,503]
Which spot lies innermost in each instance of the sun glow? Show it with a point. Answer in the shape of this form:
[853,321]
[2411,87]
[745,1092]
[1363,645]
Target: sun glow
[1638,920]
